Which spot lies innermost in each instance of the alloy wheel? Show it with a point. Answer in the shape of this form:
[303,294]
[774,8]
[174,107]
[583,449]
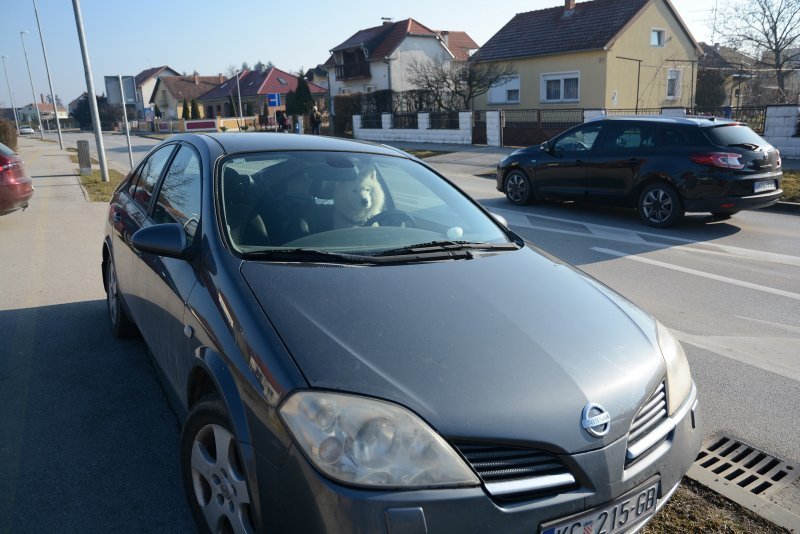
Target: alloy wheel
[657,205]
[517,188]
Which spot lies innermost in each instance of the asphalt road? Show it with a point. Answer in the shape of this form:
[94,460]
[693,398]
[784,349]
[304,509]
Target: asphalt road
[88,438]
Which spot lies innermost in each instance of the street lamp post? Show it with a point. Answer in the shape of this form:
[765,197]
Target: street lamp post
[33,91]
[239,98]
[13,106]
[49,79]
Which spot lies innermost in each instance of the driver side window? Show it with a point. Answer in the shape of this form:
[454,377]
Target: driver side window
[579,140]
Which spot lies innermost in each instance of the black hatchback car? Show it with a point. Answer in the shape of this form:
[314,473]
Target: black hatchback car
[357,346]
[662,166]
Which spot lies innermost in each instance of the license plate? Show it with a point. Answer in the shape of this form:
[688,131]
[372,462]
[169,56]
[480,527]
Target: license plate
[766,185]
[617,516]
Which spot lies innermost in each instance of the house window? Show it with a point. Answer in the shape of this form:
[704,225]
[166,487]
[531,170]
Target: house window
[345,90]
[657,37]
[561,87]
[370,88]
[673,84]
[505,91]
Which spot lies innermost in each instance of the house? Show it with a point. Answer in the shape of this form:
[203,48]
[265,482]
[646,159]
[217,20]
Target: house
[318,75]
[379,58]
[170,92]
[28,114]
[738,71]
[610,54]
[73,105]
[254,86]
[145,83]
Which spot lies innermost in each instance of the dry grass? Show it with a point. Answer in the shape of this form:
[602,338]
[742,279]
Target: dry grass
[96,189]
[791,186]
[695,508]
[422,154]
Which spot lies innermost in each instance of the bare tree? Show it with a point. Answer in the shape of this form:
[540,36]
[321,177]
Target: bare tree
[453,84]
[768,30]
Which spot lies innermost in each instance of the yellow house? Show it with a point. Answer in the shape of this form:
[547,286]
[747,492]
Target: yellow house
[602,54]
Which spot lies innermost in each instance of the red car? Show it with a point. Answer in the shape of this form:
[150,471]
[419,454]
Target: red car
[16,187]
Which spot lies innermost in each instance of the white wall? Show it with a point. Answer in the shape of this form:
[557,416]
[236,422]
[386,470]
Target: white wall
[461,136]
[780,129]
[412,49]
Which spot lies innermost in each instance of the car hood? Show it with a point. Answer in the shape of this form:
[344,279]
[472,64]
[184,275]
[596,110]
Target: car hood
[507,346]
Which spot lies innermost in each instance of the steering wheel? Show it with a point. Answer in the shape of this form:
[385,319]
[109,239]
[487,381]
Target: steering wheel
[392,218]
[575,145]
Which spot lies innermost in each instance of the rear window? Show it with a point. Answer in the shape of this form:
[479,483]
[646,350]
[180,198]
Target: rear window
[734,136]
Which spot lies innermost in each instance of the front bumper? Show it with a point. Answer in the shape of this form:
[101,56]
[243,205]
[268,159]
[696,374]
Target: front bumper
[294,497]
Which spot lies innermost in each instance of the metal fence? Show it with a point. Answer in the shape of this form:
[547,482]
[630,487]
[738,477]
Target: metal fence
[405,121]
[371,121]
[447,120]
[753,116]
[538,118]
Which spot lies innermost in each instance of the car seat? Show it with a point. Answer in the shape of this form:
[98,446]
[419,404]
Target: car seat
[245,225]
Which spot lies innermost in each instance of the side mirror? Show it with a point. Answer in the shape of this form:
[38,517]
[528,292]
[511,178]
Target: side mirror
[499,218]
[168,239]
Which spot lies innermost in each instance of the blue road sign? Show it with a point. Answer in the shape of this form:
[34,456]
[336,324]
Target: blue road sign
[273,100]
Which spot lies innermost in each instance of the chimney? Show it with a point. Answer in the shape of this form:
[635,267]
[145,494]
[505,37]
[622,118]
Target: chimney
[445,35]
[41,97]
[196,79]
[221,78]
[569,7]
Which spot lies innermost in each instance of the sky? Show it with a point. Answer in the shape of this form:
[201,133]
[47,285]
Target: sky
[187,35]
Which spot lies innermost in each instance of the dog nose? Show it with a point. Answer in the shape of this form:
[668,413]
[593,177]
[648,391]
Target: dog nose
[365,202]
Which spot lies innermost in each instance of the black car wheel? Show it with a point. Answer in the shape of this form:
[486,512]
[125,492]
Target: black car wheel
[660,205]
[213,471]
[518,188]
[121,325]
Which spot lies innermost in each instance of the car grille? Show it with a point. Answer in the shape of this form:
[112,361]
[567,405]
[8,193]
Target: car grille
[513,473]
[650,425]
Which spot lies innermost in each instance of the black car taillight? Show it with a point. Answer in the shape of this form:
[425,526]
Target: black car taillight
[723,160]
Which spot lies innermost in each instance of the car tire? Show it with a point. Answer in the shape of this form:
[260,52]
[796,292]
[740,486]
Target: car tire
[660,205]
[517,188]
[213,471]
[121,325]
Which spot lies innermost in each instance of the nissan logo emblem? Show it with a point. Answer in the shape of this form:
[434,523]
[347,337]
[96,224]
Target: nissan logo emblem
[595,420]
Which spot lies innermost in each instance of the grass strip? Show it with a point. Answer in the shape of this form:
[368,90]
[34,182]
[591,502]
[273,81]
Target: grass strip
[98,190]
[791,186]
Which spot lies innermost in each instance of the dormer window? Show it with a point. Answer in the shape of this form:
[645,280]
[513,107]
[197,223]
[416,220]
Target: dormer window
[657,38]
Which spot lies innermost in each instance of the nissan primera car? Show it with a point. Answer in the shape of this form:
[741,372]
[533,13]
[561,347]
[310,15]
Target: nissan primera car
[662,166]
[358,346]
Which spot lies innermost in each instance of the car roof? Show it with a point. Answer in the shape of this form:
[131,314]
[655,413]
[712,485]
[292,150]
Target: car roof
[689,120]
[233,143]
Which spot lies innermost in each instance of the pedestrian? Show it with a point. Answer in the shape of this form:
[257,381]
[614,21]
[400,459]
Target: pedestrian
[316,121]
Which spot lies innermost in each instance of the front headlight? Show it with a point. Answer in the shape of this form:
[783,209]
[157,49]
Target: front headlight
[367,442]
[679,377]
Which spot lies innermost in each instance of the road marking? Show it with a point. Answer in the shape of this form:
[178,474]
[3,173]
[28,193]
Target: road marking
[612,233]
[781,326]
[703,274]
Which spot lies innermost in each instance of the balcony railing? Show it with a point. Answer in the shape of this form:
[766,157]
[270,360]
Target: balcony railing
[348,71]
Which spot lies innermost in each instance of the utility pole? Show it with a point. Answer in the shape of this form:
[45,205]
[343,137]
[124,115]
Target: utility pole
[91,95]
[49,79]
[239,97]
[33,91]
[125,115]
[8,83]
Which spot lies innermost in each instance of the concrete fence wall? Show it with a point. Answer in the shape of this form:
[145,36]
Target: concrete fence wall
[781,129]
[422,134]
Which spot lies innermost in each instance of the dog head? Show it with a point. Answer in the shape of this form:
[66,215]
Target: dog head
[358,200]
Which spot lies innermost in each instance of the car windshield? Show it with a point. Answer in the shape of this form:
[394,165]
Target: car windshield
[344,203]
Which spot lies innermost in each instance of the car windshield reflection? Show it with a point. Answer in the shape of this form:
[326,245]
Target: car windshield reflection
[345,203]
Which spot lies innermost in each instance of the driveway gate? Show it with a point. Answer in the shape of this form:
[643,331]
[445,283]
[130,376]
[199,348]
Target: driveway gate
[525,127]
[479,128]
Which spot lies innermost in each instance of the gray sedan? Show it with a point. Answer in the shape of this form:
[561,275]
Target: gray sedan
[358,346]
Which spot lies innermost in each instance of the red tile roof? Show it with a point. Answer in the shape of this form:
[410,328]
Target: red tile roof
[459,43]
[150,73]
[254,83]
[380,41]
[188,87]
[47,107]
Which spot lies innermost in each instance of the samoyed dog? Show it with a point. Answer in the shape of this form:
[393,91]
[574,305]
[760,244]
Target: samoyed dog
[356,201]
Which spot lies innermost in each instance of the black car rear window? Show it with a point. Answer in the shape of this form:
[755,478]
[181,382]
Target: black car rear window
[734,135]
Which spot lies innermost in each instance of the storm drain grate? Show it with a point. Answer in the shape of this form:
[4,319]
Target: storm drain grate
[745,466]
[748,476]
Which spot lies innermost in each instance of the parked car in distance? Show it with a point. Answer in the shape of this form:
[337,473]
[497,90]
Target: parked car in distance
[16,187]
[662,166]
[26,130]
[355,345]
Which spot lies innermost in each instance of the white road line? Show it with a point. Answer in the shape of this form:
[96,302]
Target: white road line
[611,233]
[664,265]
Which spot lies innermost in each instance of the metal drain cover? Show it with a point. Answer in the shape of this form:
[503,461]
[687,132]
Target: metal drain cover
[747,476]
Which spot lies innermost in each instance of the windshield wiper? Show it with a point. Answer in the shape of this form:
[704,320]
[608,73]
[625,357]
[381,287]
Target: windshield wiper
[748,146]
[305,254]
[447,247]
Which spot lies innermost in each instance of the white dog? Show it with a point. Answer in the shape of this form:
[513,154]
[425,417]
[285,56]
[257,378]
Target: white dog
[356,201]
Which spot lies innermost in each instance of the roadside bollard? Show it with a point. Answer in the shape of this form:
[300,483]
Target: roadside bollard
[84,159]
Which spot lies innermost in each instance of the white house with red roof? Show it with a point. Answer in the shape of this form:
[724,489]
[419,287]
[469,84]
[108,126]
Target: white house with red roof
[379,58]
[145,83]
